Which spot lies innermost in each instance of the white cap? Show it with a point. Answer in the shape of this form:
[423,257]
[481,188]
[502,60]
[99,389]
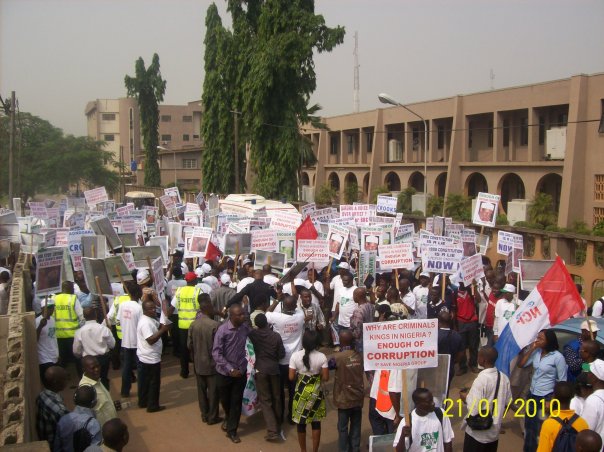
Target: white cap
[592,323]
[246,261]
[199,272]
[344,265]
[142,276]
[509,288]
[207,268]
[487,205]
[426,274]
[225,279]
[337,238]
[372,239]
[287,243]
[597,368]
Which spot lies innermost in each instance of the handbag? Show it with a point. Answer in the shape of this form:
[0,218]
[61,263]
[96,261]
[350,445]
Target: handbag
[478,422]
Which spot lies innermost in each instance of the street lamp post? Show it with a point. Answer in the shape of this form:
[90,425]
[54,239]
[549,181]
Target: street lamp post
[386,99]
[161,148]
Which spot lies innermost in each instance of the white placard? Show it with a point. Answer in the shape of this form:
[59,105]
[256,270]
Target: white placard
[386,204]
[336,240]
[472,269]
[286,221]
[95,196]
[401,344]
[264,239]
[506,241]
[312,251]
[396,256]
[441,259]
[49,268]
[308,209]
[173,193]
[74,240]
[404,233]
[485,212]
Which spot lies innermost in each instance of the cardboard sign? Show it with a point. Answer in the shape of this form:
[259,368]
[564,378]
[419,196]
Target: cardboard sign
[386,204]
[367,265]
[49,271]
[237,244]
[468,240]
[198,245]
[74,241]
[359,212]
[441,259]
[371,238]
[115,266]
[401,344]
[96,268]
[94,246]
[173,193]
[159,281]
[532,271]
[264,239]
[312,251]
[103,226]
[308,209]
[96,196]
[404,233]
[275,260]
[323,215]
[336,240]
[141,253]
[162,242]
[506,241]
[286,244]
[472,269]
[485,212]
[17,206]
[286,221]
[396,256]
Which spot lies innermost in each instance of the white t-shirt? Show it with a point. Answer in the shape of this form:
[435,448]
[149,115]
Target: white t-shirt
[317,361]
[48,348]
[271,280]
[290,328]
[347,305]
[577,403]
[148,354]
[504,310]
[593,412]
[597,308]
[336,285]
[129,315]
[319,287]
[427,433]
[421,300]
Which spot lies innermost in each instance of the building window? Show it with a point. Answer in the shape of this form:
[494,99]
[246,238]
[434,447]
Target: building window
[189,163]
[187,119]
[440,141]
[541,129]
[131,118]
[166,118]
[523,131]
[108,116]
[333,145]
[598,215]
[490,135]
[369,141]
[196,137]
[131,148]
[110,137]
[470,133]
[506,132]
[185,137]
[562,120]
[599,187]
[350,143]
[166,137]
[601,128]
[415,138]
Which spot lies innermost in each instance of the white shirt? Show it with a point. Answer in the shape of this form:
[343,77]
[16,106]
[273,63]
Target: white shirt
[593,412]
[577,403]
[48,348]
[316,359]
[335,285]
[409,300]
[244,282]
[504,310]
[597,308]
[129,314]
[290,328]
[318,285]
[483,388]
[271,279]
[92,339]
[421,300]
[427,433]
[147,353]
[347,305]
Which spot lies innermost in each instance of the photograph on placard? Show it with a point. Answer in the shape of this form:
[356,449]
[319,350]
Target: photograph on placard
[275,260]
[485,212]
[48,271]
[237,244]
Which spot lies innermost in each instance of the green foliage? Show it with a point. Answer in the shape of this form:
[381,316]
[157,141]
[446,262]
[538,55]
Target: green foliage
[459,207]
[351,193]
[52,162]
[580,227]
[599,229]
[527,224]
[326,194]
[434,206]
[270,77]
[379,190]
[541,210]
[418,213]
[148,88]
[404,203]
[502,220]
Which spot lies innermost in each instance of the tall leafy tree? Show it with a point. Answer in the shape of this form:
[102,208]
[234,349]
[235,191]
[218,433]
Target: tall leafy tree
[148,88]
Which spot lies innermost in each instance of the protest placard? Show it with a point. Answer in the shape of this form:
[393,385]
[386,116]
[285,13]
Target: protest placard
[38,210]
[353,238]
[367,266]
[285,221]
[275,260]
[159,281]
[404,233]
[471,269]
[336,240]
[396,256]
[17,206]
[386,204]
[468,240]
[439,226]
[286,244]
[49,270]
[115,266]
[531,272]
[264,239]
[198,245]
[124,210]
[173,193]
[103,226]
[308,209]
[141,253]
[74,241]
[95,268]
[441,259]
[4,249]
[506,241]
[323,215]
[430,225]
[401,344]
[485,211]
[74,220]
[359,212]
[95,196]
[94,246]
[312,251]
[237,244]
[162,242]
[371,238]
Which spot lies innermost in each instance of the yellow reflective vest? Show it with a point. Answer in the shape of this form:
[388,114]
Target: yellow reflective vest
[187,305]
[116,309]
[66,319]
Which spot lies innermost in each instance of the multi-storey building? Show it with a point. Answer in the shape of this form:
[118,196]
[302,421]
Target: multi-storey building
[547,137]
[117,122]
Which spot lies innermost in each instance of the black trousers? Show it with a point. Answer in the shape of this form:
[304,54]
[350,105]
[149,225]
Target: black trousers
[270,398]
[149,381]
[471,445]
[470,333]
[207,395]
[185,357]
[291,389]
[66,355]
[231,395]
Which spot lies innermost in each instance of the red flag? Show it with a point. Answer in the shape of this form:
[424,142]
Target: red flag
[559,293]
[213,252]
[306,231]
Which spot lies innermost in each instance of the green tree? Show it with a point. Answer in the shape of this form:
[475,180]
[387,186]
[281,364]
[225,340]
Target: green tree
[148,88]
[434,206]
[458,207]
[404,201]
[351,193]
[379,190]
[541,210]
[326,194]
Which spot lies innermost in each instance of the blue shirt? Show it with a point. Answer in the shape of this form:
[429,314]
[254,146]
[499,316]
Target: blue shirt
[72,422]
[548,370]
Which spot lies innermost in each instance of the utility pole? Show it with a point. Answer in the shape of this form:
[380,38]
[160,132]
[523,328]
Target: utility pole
[11,145]
[236,119]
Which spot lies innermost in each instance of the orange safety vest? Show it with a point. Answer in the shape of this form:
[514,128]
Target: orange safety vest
[383,402]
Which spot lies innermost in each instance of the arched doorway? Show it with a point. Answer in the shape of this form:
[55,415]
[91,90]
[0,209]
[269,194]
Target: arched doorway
[510,187]
[350,179]
[552,185]
[334,181]
[366,187]
[416,180]
[476,183]
[392,181]
[440,185]
[305,179]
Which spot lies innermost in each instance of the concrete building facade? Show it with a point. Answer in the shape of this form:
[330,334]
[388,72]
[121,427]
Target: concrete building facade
[547,137]
[117,123]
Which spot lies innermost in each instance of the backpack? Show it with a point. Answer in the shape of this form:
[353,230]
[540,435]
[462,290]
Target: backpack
[567,436]
[82,437]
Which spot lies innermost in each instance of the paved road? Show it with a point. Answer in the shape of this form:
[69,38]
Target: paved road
[179,427]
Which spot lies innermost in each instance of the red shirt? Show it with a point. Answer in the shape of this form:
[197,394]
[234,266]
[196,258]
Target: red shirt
[466,309]
[490,314]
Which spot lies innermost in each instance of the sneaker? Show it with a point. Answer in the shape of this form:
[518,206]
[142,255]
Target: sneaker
[282,435]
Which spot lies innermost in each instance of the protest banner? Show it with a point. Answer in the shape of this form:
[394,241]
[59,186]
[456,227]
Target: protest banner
[95,196]
[276,260]
[441,259]
[471,269]
[401,344]
[359,212]
[375,219]
[386,204]
[485,211]
[323,215]
[49,271]
[308,209]
[337,237]
[506,241]
[367,266]
[38,210]
[314,251]
[74,242]
[396,256]
[404,233]
[285,221]
[286,244]
[124,210]
[454,231]
[264,239]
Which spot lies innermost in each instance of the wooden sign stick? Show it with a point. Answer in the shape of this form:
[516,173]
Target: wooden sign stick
[103,305]
[122,281]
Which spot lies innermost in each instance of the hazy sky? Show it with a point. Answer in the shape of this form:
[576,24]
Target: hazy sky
[59,54]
